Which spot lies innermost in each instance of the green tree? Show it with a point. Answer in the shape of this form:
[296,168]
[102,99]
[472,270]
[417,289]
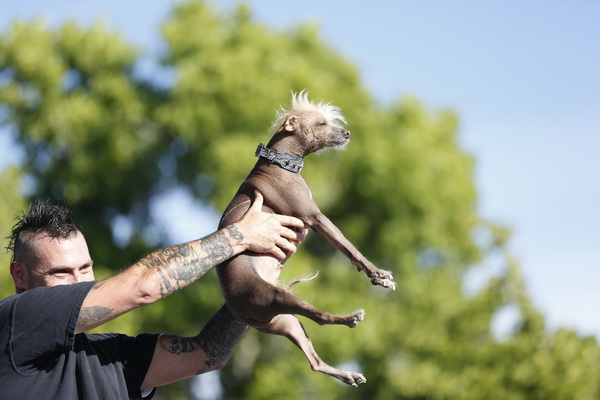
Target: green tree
[109,142]
[11,200]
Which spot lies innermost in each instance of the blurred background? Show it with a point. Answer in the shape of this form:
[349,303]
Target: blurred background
[472,174]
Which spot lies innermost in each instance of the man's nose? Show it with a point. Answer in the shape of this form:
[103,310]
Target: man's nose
[77,277]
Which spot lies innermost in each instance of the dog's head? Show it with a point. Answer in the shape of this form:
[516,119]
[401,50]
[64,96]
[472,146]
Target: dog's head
[316,126]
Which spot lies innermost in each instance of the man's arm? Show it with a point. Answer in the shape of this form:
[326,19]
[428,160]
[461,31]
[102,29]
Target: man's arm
[165,271]
[177,358]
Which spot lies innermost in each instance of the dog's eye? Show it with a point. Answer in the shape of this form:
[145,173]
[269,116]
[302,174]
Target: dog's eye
[321,123]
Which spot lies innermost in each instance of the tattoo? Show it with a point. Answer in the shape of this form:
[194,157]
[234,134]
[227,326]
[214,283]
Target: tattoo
[217,248]
[219,337]
[98,284]
[178,266]
[176,344]
[165,288]
[89,315]
[217,340]
[235,233]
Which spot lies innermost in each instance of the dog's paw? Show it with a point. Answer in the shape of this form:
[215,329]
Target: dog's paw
[383,274]
[356,317]
[386,283]
[383,278]
[354,379]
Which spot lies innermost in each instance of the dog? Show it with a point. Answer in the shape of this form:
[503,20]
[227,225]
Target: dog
[249,280]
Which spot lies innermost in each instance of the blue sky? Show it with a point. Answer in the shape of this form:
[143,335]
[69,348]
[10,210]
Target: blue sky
[524,78]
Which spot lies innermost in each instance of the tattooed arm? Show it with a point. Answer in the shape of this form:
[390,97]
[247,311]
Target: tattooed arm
[166,271]
[177,358]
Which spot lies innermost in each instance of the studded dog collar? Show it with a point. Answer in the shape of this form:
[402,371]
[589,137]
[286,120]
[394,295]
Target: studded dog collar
[286,161]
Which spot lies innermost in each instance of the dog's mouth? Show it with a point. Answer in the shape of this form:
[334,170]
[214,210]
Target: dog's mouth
[342,146]
[342,137]
[342,142]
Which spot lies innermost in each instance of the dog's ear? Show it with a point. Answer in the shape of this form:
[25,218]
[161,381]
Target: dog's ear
[291,123]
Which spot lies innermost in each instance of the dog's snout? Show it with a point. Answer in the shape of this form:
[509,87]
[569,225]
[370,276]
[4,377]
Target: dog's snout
[346,133]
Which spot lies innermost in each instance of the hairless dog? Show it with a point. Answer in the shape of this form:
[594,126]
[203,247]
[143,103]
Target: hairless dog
[249,280]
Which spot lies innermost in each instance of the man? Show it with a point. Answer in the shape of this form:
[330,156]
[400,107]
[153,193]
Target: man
[47,355]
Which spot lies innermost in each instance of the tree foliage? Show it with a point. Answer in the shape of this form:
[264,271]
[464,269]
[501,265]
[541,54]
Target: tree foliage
[109,142]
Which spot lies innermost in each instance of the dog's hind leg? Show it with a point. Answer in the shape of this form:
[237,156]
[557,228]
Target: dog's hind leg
[267,301]
[288,303]
[287,325]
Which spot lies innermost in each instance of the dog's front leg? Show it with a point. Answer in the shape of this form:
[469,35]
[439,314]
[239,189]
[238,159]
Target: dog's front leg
[322,225]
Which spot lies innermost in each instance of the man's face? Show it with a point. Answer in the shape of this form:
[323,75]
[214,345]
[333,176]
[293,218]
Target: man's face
[53,262]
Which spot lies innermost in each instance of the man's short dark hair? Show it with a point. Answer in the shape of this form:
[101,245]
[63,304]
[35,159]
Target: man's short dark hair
[42,217]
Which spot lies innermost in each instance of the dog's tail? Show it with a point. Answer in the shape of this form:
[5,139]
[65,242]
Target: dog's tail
[301,280]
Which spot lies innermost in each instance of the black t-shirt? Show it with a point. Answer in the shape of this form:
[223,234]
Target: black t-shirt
[42,358]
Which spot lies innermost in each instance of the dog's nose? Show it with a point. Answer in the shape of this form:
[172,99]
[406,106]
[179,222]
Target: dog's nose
[346,134]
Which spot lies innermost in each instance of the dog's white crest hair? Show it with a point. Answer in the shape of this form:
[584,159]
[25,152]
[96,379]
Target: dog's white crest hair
[300,102]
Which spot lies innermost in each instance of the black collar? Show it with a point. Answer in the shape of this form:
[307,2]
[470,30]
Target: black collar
[286,161]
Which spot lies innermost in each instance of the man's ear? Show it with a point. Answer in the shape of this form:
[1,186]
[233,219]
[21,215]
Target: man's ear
[19,275]
[291,123]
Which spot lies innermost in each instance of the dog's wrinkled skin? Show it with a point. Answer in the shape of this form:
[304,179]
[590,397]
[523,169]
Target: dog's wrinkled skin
[249,280]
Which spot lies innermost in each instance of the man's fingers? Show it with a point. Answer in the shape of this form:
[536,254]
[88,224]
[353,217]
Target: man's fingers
[291,234]
[285,248]
[258,200]
[277,252]
[291,221]
[288,246]
[289,231]
[285,220]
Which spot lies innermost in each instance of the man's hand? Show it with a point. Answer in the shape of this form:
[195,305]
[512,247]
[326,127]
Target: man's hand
[270,233]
